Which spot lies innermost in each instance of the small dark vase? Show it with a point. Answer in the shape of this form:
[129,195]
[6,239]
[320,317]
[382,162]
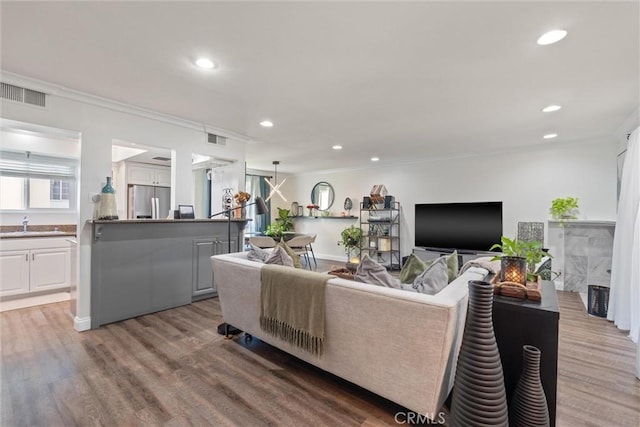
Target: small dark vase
[529,403]
[479,397]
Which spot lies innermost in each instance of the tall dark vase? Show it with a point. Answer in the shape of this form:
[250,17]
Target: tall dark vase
[479,397]
[529,403]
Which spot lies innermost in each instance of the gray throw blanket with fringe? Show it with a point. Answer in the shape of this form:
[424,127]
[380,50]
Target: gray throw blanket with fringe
[292,306]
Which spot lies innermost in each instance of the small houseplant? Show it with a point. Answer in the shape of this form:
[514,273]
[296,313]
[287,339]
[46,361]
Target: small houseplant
[564,208]
[284,219]
[520,253]
[351,238]
[274,230]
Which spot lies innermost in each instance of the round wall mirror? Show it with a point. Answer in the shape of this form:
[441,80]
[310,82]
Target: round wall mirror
[322,195]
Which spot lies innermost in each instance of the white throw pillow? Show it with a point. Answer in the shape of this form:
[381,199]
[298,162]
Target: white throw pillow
[257,254]
[279,256]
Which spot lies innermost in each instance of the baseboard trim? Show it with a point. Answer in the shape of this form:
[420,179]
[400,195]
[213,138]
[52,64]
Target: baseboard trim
[82,323]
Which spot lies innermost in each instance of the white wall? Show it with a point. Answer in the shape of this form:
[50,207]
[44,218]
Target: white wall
[526,181]
[99,122]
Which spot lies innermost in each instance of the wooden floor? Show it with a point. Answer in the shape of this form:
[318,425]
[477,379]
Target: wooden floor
[172,368]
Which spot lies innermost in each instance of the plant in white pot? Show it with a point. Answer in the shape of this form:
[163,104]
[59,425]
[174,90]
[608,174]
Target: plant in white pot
[563,208]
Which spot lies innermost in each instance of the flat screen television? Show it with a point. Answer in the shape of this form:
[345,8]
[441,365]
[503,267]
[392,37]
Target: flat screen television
[470,227]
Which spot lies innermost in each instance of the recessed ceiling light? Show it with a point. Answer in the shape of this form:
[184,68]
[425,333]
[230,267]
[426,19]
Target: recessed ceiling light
[552,37]
[205,63]
[374,159]
[550,135]
[337,147]
[551,108]
[266,123]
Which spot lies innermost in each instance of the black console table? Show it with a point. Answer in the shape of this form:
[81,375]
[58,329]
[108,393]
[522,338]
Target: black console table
[518,322]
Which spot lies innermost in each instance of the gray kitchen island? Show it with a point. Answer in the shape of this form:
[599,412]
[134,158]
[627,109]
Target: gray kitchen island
[143,266]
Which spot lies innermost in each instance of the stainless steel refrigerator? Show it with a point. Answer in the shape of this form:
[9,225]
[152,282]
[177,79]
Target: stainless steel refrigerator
[146,201]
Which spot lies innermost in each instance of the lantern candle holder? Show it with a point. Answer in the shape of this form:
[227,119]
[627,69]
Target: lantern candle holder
[513,269]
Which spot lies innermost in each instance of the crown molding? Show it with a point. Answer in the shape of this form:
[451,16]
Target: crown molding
[78,96]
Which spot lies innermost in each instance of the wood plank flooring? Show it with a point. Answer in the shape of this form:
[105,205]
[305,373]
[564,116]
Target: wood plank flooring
[172,369]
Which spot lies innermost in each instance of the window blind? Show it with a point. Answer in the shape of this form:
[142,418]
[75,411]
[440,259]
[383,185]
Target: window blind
[36,165]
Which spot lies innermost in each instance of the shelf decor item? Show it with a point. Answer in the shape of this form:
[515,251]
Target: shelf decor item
[479,396]
[529,404]
[348,205]
[377,193]
[108,208]
[241,199]
[227,200]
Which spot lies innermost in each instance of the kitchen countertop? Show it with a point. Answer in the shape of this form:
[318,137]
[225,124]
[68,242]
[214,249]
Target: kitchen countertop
[37,231]
[160,221]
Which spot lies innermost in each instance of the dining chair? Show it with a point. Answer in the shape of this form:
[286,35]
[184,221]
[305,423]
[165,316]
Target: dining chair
[299,245]
[262,241]
[310,248]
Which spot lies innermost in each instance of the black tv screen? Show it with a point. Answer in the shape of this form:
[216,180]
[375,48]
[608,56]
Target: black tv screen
[462,226]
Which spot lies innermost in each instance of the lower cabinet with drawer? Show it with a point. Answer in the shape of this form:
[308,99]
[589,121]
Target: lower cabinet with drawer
[34,265]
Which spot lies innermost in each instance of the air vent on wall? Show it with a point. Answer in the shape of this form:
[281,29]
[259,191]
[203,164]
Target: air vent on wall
[216,139]
[163,159]
[26,96]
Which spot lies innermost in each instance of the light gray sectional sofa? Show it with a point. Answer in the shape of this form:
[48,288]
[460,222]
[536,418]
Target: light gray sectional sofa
[400,345]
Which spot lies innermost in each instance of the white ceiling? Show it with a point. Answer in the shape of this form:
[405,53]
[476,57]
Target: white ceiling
[403,81]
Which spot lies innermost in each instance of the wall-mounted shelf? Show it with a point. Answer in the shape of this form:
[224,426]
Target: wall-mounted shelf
[323,217]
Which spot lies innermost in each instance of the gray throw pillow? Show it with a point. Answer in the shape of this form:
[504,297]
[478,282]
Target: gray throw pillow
[412,268]
[370,271]
[257,254]
[279,256]
[433,279]
[452,265]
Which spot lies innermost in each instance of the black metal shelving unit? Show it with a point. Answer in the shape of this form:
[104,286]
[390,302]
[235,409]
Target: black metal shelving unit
[381,234]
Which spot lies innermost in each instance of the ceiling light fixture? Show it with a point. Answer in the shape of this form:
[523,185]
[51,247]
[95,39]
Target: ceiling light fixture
[275,189]
[551,108]
[337,147]
[205,63]
[266,123]
[550,135]
[552,37]
[375,159]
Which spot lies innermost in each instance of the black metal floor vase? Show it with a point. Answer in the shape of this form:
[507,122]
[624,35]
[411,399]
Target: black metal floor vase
[479,397]
[529,404]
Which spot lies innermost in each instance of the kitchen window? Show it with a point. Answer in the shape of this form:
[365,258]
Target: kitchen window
[34,182]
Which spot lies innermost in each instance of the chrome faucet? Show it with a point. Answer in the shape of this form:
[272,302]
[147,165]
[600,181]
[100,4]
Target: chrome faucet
[25,221]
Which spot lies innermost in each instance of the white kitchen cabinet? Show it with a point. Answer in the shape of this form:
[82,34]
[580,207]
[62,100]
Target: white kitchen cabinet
[14,272]
[148,175]
[49,269]
[34,265]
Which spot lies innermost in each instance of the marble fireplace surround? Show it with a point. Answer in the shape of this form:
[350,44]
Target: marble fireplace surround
[582,251]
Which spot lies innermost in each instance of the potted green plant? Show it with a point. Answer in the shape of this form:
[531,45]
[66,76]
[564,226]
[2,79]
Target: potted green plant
[274,230]
[351,238]
[564,208]
[284,219]
[518,258]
